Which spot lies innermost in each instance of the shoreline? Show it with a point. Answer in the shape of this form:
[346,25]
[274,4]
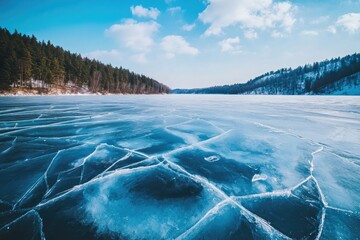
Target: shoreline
[150,94]
[23,92]
[79,94]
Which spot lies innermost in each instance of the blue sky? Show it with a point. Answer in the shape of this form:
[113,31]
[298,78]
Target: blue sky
[196,43]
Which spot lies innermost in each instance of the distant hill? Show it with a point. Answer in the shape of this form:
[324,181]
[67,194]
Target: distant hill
[339,76]
[27,65]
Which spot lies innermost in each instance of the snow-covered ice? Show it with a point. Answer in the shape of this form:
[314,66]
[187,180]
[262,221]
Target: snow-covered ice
[180,167]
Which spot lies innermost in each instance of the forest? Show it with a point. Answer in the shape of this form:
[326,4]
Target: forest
[307,79]
[24,61]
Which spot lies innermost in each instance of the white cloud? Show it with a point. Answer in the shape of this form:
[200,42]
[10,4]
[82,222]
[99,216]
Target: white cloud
[139,58]
[174,10]
[230,45]
[352,1]
[332,29]
[350,22]
[277,34]
[140,11]
[176,45]
[188,27]
[137,36]
[320,20]
[248,14]
[250,34]
[105,56]
[310,33]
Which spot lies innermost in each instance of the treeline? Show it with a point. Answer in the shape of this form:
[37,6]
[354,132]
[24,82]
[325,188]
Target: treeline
[308,79]
[24,60]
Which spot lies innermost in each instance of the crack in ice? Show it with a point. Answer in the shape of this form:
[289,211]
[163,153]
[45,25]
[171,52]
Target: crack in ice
[36,214]
[11,147]
[116,172]
[246,212]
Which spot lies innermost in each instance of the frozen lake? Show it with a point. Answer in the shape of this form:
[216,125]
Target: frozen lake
[180,167]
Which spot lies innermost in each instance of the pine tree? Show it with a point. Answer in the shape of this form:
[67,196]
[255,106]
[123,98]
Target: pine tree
[23,58]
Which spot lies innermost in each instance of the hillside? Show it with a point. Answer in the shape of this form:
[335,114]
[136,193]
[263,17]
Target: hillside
[340,76]
[34,67]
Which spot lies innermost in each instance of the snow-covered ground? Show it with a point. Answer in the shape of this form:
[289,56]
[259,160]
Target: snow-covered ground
[180,166]
[38,87]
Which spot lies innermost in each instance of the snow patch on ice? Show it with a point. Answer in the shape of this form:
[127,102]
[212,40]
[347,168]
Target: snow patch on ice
[259,177]
[212,158]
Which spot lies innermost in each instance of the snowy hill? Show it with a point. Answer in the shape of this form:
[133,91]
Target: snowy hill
[340,76]
[346,86]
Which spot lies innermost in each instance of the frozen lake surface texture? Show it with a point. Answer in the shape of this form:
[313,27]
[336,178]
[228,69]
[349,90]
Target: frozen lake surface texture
[180,167]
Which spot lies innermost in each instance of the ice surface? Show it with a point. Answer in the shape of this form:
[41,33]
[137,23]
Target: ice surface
[28,226]
[180,167]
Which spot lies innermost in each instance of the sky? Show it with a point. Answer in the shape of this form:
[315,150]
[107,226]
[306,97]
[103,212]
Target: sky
[193,43]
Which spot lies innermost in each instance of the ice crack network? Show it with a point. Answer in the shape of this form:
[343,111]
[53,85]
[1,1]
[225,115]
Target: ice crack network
[176,167]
